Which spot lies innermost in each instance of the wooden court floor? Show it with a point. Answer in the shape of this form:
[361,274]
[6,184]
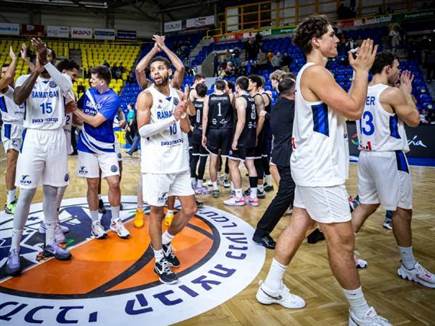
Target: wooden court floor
[309,276]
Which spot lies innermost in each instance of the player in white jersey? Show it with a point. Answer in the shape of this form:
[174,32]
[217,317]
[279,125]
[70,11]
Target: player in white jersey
[43,158]
[319,168]
[384,177]
[12,116]
[163,125]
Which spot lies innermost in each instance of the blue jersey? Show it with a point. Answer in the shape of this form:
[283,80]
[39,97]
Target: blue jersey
[99,139]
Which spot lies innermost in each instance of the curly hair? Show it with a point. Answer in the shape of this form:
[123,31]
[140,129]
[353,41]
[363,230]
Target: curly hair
[313,26]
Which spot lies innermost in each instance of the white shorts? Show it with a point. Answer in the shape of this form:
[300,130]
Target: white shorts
[69,148]
[118,150]
[89,165]
[12,136]
[158,187]
[384,178]
[43,159]
[324,204]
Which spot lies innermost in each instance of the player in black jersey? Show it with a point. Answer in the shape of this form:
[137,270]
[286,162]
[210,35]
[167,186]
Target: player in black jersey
[199,153]
[217,128]
[243,144]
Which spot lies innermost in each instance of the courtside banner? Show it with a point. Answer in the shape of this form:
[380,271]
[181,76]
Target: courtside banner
[104,34]
[173,26]
[58,31]
[81,32]
[32,30]
[200,21]
[126,35]
[9,29]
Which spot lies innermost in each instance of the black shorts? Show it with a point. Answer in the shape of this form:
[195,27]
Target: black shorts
[219,141]
[242,153]
[197,148]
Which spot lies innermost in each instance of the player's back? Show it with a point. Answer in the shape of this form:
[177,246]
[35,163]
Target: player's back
[220,111]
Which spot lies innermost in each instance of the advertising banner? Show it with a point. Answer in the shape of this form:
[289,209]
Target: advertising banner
[81,32]
[104,34]
[200,21]
[9,29]
[32,30]
[58,31]
[126,35]
[173,26]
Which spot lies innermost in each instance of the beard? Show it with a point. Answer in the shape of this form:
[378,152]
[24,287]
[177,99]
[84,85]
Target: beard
[162,81]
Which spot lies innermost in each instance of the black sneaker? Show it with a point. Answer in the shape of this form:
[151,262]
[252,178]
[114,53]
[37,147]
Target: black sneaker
[215,193]
[101,208]
[247,192]
[268,187]
[199,204]
[163,270]
[315,236]
[261,194]
[170,256]
[265,241]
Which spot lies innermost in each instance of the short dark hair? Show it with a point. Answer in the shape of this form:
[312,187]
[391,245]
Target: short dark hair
[5,65]
[313,26]
[243,83]
[201,89]
[220,84]
[286,85]
[161,59]
[289,75]
[67,65]
[199,76]
[382,60]
[102,72]
[256,79]
[230,85]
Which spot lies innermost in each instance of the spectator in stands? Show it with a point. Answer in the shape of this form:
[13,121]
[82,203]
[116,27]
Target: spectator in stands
[276,60]
[106,63]
[423,117]
[430,65]
[251,49]
[215,64]
[132,132]
[286,61]
[261,60]
[395,37]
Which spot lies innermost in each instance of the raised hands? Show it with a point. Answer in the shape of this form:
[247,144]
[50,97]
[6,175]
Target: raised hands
[160,41]
[23,51]
[365,56]
[406,78]
[12,54]
[41,50]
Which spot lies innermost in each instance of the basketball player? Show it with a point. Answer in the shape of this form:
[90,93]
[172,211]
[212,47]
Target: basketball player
[197,79]
[384,177]
[199,153]
[12,116]
[319,165]
[96,147]
[163,125]
[43,158]
[217,128]
[243,145]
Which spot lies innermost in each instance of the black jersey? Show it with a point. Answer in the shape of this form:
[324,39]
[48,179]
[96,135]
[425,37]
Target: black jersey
[196,120]
[249,134]
[220,112]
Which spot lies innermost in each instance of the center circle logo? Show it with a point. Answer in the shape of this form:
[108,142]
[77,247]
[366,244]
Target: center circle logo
[111,281]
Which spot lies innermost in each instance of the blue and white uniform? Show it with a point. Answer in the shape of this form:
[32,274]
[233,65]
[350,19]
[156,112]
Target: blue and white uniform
[12,116]
[383,172]
[320,159]
[165,156]
[43,157]
[96,145]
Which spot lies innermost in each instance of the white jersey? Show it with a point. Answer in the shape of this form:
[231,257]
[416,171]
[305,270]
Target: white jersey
[379,130]
[320,155]
[45,106]
[168,151]
[11,112]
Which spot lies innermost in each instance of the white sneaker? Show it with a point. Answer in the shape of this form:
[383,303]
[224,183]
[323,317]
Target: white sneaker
[234,201]
[97,230]
[418,274]
[282,297]
[360,263]
[42,228]
[59,237]
[371,318]
[118,227]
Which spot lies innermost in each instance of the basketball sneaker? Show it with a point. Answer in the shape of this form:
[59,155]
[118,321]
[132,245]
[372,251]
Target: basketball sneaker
[388,221]
[227,183]
[101,208]
[418,274]
[97,230]
[371,318]
[234,201]
[201,190]
[215,193]
[170,255]
[261,194]
[58,232]
[43,228]
[252,201]
[360,263]
[118,227]
[13,265]
[268,187]
[56,251]
[282,297]
[10,208]
[168,218]
[139,218]
[163,270]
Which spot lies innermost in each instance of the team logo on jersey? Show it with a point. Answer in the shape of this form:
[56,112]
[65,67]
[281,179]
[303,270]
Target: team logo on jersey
[52,84]
[83,170]
[114,168]
[111,281]
[162,198]
[25,180]
[66,178]
[176,101]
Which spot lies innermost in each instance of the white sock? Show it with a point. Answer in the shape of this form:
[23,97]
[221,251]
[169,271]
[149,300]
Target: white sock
[158,254]
[232,186]
[99,196]
[253,193]
[49,233]
[11,195]
[268,179]
[115,212]
[167,238]
[169,212]
[276,273]
[16,239]
[238,192]
[408,259]
[193,182]
[357,302]
[199,183]
[94,216]
[260,187]
[215,185]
